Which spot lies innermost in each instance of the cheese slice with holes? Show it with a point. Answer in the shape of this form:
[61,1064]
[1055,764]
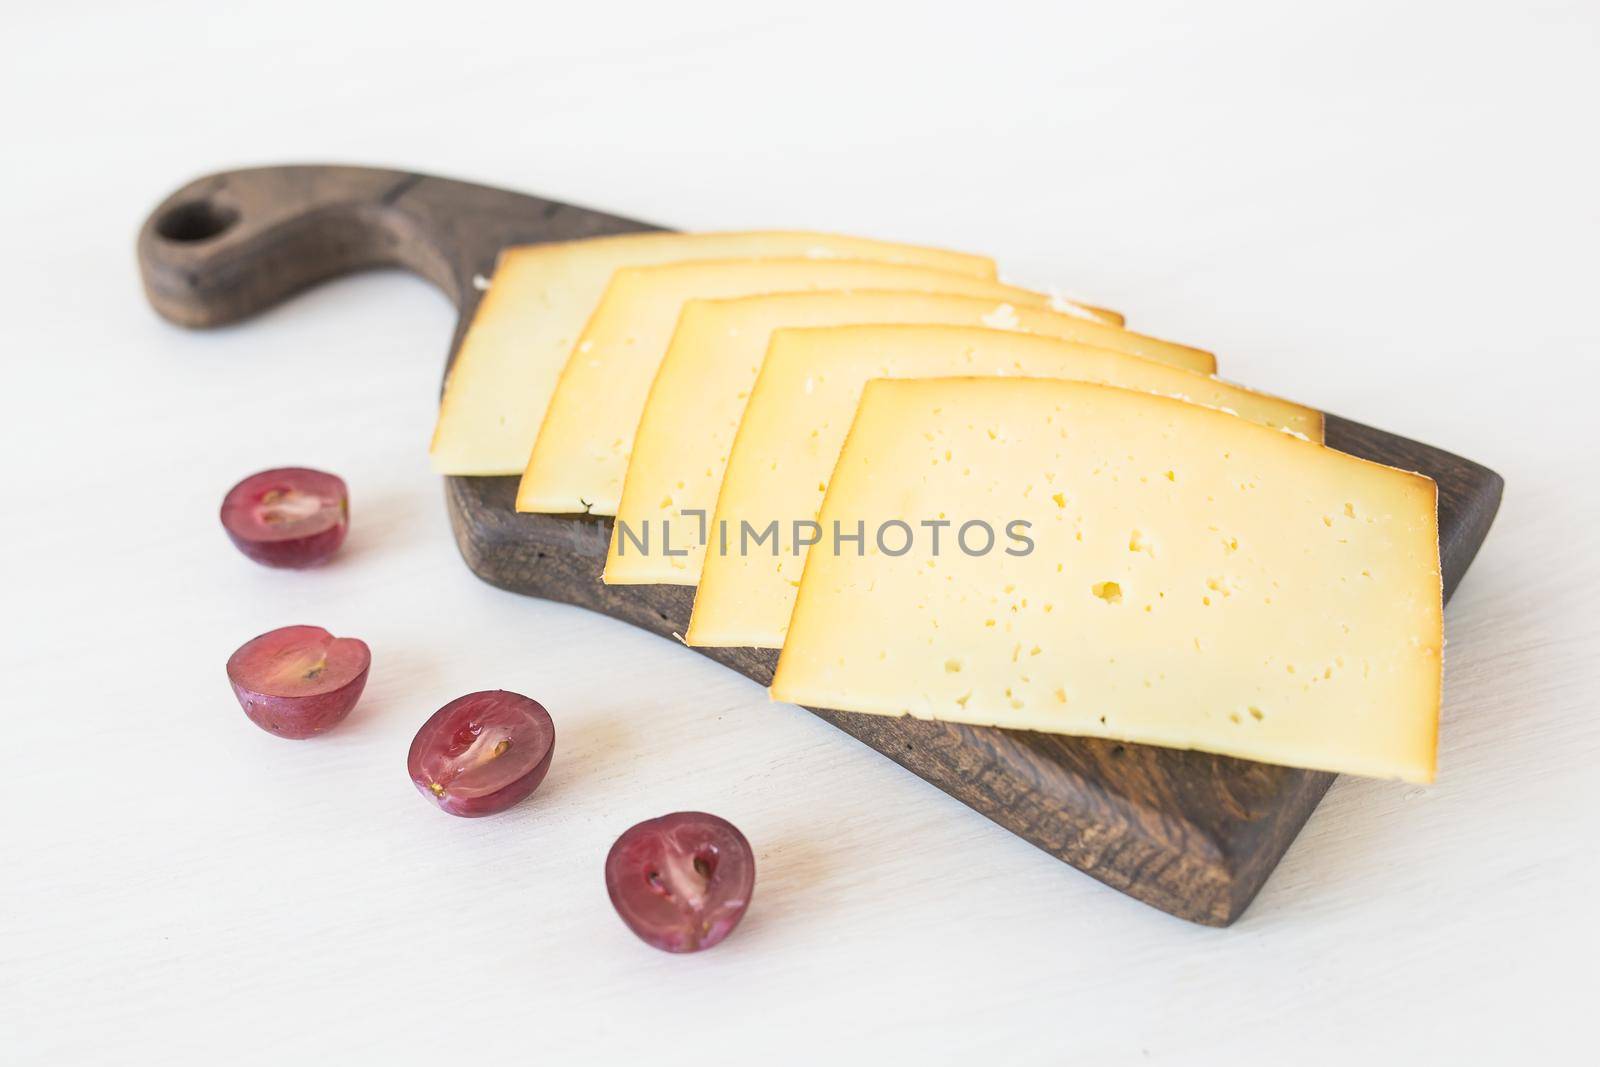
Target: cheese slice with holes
[581,454]
[537,304]
[681,446]
[795,425]
[1195,580]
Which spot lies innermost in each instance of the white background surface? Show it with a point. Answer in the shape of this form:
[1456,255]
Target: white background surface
[1386,209]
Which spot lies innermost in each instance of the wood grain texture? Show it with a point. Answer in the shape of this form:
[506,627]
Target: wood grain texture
[1193,834]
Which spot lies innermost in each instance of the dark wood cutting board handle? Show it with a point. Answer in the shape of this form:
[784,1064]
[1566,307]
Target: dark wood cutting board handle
[1193,834]
[229,245]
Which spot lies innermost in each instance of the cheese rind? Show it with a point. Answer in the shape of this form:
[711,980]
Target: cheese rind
[795,423]
[538,301]
[681,446]
[581,454]
[1196,581]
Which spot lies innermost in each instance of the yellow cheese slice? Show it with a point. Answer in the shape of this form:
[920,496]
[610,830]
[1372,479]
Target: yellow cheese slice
[1195,581]
[581,454]
[681,445]
[541,296]
[796,421]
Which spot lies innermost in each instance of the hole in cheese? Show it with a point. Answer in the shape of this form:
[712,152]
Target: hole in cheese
[1110,592]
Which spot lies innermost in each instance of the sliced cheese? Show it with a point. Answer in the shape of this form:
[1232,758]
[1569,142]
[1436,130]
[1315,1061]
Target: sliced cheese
[1196,581]
[681,446]
[581,454]
[541,296]
[796,422]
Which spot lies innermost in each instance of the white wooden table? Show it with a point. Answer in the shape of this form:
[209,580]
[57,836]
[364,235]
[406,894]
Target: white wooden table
[1384,209]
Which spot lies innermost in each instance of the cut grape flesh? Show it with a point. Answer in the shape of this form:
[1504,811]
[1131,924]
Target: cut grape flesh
[681,882]
[482,753]
[299,681]
[288,517]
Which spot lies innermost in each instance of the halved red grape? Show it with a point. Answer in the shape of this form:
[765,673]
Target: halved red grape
[682,881]
[299,680]
[289,517]
[481,753]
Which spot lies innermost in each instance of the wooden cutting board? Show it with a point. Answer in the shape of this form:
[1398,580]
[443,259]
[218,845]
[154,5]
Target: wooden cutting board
[1193,834]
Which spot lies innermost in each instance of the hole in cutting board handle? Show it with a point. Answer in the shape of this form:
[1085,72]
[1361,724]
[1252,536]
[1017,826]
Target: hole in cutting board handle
[196,220]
